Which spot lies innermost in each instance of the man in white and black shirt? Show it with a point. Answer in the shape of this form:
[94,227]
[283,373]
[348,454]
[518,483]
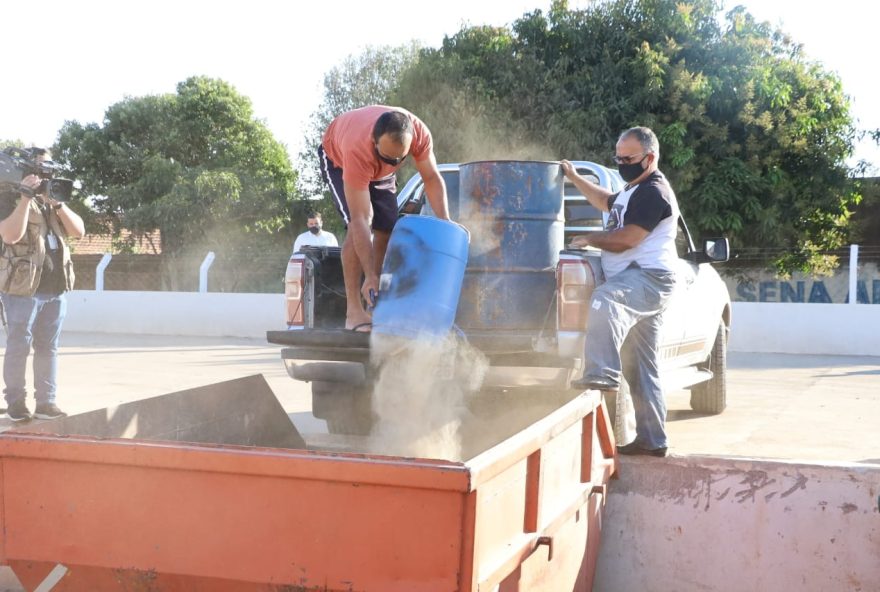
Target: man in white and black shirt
[638,256]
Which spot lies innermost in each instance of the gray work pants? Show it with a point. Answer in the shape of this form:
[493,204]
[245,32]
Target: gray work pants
[624,321]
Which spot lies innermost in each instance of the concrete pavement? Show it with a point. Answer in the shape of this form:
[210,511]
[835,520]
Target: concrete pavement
[779,406]
[100,370]
[796,407]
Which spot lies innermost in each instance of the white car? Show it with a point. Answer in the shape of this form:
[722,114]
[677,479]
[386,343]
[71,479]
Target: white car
[537,342]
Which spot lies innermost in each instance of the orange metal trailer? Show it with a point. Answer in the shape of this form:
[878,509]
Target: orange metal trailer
[135,506]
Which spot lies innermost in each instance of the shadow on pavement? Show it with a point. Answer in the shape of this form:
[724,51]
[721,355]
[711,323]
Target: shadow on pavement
[874,372]
[683,414]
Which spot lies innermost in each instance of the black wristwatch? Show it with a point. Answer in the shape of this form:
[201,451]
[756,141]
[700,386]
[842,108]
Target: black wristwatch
[57,206]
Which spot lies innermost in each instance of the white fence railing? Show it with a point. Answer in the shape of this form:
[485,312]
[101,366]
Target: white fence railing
[836,329]
[805,326]
[862,279]
[175,313]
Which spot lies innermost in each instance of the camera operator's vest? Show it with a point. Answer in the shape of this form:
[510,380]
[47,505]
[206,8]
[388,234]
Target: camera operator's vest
[21,264]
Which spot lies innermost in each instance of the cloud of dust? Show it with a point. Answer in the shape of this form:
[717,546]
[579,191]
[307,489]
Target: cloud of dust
[468,128]
[419,396]
[486,233]
[497,414]
[421,400]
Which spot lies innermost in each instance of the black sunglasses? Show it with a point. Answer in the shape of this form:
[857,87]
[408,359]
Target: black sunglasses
[388,159]
[628,159]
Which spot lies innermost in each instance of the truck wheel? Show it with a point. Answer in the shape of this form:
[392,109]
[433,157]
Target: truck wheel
[347,409]
[711,396]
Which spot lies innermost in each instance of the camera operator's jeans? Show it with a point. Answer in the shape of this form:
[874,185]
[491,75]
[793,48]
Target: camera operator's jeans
[32,321]
[624,322]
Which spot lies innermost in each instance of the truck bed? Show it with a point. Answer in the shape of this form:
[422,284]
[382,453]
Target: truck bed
[502,348]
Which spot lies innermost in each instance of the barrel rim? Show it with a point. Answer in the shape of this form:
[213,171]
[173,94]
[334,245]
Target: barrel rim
[511,161]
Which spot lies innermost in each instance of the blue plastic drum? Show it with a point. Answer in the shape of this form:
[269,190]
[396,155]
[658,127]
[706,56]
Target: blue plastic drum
[421,278]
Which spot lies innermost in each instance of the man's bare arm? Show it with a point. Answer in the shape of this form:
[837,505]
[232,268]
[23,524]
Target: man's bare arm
[71,221]
[13,227]
[614,241]
[361,213]
[596,195]
[435,187]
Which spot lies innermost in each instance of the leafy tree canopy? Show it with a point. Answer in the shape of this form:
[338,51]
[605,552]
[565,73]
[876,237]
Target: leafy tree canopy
[195,164]
[754,135]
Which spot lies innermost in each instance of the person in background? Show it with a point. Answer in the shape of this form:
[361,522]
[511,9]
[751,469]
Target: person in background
[35,273]
[315,236]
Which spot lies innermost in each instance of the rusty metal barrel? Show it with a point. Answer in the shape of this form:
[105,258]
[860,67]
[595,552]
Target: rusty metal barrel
[513,210]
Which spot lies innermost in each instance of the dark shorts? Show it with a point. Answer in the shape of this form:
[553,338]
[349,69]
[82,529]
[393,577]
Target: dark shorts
[383,195]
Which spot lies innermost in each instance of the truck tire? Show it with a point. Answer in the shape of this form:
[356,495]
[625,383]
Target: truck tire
[711,396]
[347,409]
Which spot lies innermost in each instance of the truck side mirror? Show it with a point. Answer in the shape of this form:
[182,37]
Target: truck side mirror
[715,250]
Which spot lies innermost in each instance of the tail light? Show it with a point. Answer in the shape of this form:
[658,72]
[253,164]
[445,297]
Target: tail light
[294,285]
[574,282]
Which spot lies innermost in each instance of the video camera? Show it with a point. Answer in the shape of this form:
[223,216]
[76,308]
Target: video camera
[18,163]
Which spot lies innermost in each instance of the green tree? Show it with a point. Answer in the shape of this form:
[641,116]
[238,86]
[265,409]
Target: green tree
[865,228]
[754,135]
[362,79]
[196,165]
[460,91]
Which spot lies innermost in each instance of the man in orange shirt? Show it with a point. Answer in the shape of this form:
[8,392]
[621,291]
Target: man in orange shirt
[360,154]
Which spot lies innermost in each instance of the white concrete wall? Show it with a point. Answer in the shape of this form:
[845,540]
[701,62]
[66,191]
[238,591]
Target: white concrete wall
[840,329]
[175,313]
[700,524]
[832,329]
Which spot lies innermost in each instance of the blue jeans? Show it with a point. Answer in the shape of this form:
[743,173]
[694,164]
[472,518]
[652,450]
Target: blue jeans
[624,323]
[32,321]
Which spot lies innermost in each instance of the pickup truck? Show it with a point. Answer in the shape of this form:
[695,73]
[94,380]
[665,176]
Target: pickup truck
[542,351]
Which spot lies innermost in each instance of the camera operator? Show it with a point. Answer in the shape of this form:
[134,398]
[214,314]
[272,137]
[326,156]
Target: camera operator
[35,272]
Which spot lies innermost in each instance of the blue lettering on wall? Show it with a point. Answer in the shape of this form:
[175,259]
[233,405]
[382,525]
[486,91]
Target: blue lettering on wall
[788,294]
[746,291]
[861,293]
[767,292]
[868,291]
[818,293]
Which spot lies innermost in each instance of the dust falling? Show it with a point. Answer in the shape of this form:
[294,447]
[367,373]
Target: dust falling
[419,396]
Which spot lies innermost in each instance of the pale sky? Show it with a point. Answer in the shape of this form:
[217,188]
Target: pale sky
[277,52]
